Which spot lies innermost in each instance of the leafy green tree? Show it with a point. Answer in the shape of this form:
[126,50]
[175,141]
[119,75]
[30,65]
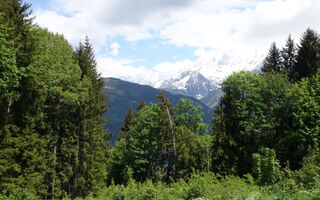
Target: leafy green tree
[190,116]
[272,63]
[308,58]
[204,143]
[9,75]
[252,114]
[303,120]
[288,54]
[144,147]
[118,163]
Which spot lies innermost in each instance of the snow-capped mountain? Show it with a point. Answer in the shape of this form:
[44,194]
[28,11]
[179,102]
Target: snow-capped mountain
[189,83]
[201,78]
[207,74]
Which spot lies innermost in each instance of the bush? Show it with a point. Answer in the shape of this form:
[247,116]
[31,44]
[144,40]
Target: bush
[20,194]
[266,167]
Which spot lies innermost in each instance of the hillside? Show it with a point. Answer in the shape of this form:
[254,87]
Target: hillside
[124,94]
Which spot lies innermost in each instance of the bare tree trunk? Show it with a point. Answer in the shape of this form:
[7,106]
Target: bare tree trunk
[172,133]
[9,105]
[208,161]
[54,176]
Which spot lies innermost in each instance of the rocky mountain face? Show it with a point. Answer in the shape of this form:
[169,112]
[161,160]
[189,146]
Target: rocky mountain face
[189,83]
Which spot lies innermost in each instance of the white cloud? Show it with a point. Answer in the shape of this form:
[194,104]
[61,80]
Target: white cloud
[114,48]
[195,23]
[253,27]
[244,27]
[123,69]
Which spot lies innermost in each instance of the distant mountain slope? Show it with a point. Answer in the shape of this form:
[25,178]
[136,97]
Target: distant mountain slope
[212,98]
[123,94]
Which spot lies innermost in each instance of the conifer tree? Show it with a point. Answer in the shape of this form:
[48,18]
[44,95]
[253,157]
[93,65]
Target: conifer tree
[17,15]
[308,58]
[141,105]
[168,134]
[272,63]
[91,138]
[127,123]
[21,100]
[289,53]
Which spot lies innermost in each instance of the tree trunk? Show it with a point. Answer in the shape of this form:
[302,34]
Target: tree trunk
[208,166]
[172,133]
[9,105]
[54,176]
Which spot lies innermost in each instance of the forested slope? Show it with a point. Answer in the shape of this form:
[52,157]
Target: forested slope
[263,142]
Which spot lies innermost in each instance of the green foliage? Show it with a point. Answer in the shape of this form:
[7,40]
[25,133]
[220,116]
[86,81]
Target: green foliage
[249,117]
[144,144]
[272,63]
[190,116]
[123,94]
[289,54]
[127,123]
[20,194]
[309,174]
[308,58]
[303,121]
[266,167]
[46,149]
[17,16]
[53,144]
[228,134]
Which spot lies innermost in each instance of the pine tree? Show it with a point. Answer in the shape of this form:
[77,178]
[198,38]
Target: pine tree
[308,58]
[289,53]
[127,123]
[21,101]
[272,63]
[141,105]
[17,15]
[91,138]
[168,134]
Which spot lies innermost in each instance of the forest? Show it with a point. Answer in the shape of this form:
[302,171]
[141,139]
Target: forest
[263,142]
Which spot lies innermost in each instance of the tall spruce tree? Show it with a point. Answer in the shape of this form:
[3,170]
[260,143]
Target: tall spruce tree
[272,63]
[308,58]
[17,15]
[92,146]
[289,53]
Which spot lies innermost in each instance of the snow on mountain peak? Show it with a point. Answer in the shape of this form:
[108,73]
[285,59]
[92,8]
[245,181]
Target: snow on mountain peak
[209,71]
[213,65]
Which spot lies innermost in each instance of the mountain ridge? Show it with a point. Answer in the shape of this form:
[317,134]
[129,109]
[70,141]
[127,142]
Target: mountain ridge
[125,94]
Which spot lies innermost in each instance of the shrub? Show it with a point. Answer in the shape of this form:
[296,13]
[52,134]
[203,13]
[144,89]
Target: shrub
[266,167]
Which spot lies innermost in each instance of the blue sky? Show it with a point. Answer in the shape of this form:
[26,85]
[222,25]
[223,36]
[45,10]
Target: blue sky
[159,38]
[143,52]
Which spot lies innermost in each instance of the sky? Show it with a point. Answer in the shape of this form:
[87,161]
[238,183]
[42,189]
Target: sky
[158,38]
